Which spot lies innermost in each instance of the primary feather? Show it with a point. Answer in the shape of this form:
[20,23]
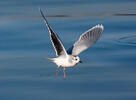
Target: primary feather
[86,40]
[56,42]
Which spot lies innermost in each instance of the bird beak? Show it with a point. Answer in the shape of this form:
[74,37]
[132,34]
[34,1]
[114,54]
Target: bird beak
[80,61]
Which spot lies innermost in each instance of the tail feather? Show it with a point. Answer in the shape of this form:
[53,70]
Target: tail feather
[50,59]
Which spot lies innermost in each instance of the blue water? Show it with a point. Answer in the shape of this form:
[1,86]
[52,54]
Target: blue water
[108,71]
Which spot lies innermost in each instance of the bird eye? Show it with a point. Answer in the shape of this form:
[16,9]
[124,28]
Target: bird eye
[75,59]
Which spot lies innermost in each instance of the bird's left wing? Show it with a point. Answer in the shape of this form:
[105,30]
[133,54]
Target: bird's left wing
[56,42]
[86,40]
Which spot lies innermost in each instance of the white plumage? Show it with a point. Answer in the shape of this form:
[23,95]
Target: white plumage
[70,57]
[87,39]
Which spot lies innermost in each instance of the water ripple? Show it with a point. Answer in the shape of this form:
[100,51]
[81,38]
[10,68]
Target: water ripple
[129,39]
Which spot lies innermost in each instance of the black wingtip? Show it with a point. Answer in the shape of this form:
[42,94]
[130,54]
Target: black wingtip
[46,22]
[42,13]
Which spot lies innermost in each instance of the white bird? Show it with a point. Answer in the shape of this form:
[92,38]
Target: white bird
[70,57]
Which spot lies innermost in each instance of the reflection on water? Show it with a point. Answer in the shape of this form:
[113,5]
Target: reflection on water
[108,71]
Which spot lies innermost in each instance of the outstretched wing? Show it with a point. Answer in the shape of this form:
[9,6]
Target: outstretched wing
[86,40]
[56,42]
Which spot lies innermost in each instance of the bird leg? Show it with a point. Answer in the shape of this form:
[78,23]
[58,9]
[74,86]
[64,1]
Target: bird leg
[64,73]
[57,71]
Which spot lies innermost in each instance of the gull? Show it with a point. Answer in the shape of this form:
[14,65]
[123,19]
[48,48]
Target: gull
[69,58]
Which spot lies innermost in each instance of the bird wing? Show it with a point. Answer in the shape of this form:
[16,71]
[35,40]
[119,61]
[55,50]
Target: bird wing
[56,42]
[86,40]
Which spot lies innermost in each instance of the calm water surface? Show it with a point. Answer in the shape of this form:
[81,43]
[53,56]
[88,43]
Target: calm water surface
[109,68]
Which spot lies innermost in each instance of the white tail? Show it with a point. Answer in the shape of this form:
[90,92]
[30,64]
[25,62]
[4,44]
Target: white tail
[50,59]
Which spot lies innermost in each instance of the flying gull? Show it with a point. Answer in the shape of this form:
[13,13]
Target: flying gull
[69,58]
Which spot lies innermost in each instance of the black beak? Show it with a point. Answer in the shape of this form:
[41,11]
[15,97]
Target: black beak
[80,61]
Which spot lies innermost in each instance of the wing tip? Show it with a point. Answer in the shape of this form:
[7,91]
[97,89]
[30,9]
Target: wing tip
[40,10]
[100,26]
[43,16]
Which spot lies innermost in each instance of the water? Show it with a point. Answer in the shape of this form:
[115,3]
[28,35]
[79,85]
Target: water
[109,68]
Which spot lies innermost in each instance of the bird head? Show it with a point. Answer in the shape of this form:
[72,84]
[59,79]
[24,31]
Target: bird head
[76,59]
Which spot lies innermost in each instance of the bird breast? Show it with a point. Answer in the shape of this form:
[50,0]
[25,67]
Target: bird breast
[64,61]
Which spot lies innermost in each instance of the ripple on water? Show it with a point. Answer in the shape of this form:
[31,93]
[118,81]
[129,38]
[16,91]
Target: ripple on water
[128,39]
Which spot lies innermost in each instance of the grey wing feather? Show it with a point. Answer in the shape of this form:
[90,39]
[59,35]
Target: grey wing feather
[56,42]
[87,39]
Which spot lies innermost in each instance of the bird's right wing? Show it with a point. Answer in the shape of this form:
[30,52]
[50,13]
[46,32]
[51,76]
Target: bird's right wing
[56,42]
[86,40]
